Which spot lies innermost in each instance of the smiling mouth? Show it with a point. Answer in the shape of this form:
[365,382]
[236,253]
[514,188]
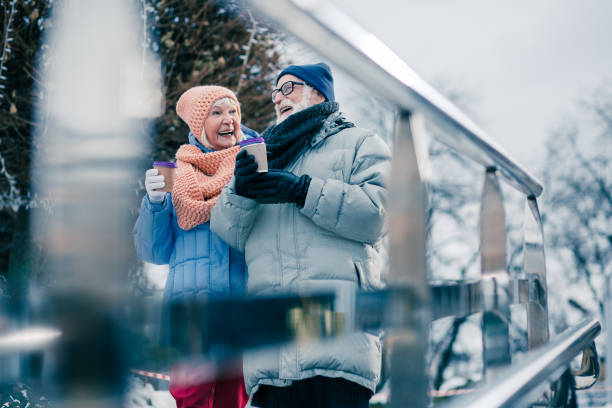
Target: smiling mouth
[225,134]
[285,109]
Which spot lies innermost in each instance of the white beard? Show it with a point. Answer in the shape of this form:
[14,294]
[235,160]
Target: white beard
[296,107]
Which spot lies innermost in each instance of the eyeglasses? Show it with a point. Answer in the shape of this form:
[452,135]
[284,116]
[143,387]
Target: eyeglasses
[286,88]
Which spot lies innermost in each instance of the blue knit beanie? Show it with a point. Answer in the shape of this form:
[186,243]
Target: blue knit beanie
[318,76]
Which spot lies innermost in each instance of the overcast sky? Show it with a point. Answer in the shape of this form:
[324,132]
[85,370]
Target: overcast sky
[523,65]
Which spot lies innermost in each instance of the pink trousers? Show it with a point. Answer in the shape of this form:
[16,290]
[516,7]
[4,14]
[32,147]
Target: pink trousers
[221,393]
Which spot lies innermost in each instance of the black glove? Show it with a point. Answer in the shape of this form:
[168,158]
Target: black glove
[245,172]
[279,186]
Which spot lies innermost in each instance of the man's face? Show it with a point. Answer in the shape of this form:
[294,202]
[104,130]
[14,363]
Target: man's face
[301,98]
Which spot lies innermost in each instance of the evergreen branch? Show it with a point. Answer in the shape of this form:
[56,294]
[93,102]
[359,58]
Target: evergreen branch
[12,199]
[6,49]
[248,48]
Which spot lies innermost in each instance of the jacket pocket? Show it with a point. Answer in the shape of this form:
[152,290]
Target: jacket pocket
[367,278]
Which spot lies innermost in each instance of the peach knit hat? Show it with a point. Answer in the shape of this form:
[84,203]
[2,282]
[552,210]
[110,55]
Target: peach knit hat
[194,105]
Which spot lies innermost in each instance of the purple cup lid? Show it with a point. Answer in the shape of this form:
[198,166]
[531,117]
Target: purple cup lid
[163,164]
[251,141]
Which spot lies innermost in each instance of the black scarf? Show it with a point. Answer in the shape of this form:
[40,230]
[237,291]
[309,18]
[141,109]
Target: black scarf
[287,139]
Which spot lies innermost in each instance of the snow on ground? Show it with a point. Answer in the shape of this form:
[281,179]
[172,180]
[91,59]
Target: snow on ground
[141,394]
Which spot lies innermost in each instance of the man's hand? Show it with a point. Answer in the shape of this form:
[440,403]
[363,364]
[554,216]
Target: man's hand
[245,172]
[153,181]
[280,186]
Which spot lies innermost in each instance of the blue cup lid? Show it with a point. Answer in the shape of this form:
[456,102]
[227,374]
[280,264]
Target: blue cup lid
[251,141]
[163,164]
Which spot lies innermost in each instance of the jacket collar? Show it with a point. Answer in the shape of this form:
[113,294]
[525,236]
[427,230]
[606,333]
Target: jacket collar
[331,125]
[194,141]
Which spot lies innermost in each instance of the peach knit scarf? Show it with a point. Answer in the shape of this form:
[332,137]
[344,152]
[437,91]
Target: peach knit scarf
[200,177]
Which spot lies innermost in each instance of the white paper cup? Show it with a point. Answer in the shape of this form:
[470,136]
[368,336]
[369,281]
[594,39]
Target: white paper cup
[257,147]
[168,170]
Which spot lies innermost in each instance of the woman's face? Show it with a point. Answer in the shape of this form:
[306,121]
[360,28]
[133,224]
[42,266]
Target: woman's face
[222,126]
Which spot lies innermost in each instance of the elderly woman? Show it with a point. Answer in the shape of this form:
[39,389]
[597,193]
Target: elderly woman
[174,228]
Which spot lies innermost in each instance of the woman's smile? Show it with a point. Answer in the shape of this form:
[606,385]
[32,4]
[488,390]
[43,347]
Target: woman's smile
[222,125]
[226,133]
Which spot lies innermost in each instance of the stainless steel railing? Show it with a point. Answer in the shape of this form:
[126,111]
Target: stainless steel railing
[338,38]
[526,380]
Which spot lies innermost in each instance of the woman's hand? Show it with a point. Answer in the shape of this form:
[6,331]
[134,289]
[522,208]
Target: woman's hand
[153,181]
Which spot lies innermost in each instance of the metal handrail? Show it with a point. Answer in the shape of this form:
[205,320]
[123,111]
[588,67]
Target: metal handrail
[525,379]
[340,39]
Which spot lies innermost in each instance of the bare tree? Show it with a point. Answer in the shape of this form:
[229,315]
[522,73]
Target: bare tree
[578,176]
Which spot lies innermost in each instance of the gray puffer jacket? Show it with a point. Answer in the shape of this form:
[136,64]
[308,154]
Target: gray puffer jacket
[330,243]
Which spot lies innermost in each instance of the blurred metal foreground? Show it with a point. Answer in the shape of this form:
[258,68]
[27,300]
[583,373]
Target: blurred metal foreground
[100,88]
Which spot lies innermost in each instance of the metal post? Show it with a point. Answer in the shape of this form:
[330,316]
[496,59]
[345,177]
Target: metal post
[406,220]
[495,280]
[534,265]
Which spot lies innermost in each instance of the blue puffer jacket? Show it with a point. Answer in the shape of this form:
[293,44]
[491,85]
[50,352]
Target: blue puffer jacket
[201,263]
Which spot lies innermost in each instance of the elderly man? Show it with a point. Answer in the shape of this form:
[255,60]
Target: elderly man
[312,223]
